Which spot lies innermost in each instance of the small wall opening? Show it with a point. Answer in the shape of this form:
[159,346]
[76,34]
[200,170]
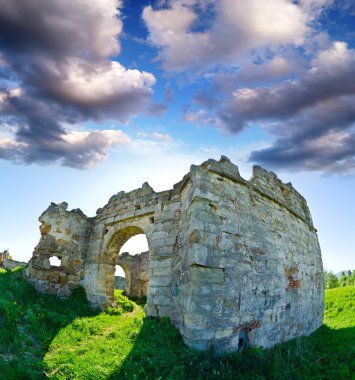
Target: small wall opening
[243,339]
[54,261]
[120,278]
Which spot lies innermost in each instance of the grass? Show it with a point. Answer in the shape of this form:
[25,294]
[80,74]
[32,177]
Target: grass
[340,307]
[43,337]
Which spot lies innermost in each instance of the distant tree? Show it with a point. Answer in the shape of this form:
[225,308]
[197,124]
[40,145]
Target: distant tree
[330,280]
[343,279]
[352,278]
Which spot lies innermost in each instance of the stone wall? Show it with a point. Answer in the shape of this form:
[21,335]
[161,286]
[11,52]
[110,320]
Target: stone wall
[231,262]
[250,264]
[120,282]
[65,235]
[4,256]
[7,263]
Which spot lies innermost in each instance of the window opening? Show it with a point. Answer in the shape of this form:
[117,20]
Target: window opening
[55,262]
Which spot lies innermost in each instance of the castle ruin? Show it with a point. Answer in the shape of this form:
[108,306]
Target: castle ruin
[231,262]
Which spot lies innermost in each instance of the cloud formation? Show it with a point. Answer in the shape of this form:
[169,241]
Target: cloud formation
[268,63]
[323,140]
[75,149]
[313,116]
[56,54]
[275,69]
[187,39]
[331,76]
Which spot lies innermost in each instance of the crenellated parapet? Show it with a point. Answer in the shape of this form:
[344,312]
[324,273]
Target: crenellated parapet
[269,185]
[265,183]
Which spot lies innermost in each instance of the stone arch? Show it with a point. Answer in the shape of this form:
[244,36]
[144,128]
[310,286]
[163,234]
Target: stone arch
[101,275]
[135,266]
[119,237]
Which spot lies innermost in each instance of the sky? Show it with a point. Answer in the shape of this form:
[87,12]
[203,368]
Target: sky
[99,96]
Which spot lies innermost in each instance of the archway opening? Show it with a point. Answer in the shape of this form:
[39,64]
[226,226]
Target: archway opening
[130,257]
[120,278]
[135,245]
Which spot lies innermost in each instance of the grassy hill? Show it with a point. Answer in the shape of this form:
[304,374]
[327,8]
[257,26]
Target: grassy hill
[43,337]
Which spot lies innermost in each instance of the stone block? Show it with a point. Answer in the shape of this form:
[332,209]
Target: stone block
[161,263]
[224,332]
[54,277]
[194,321]
[205,275]
[161,300]
[160,281]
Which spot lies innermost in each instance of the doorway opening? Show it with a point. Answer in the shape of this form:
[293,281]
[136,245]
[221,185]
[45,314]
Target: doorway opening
[120,278]
[130,259]
[133,257]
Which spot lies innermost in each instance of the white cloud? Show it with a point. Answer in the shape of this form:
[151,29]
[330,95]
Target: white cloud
[162,136]
[166,24]
[199,117]
[337,55]
[78,149]
[168,28]
[331,141]
[10,93]
[104,82]
[274,22]
[61,56]
[238,28]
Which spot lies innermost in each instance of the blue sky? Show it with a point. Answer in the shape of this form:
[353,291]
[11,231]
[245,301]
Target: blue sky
[101,96]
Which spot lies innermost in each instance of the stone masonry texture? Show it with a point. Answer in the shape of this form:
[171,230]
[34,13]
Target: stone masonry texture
[231,262]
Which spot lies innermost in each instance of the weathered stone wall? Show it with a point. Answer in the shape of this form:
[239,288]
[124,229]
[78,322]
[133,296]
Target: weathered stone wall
[136,269]
[120,282]
[64,234]
[7,263]
[126,215]
[250,265]
[4,256]
[12,264]
[231,262]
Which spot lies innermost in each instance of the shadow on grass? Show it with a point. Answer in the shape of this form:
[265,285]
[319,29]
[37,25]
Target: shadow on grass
[159,353]
[28,323]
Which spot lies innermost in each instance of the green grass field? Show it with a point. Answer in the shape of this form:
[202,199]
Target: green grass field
[43,337]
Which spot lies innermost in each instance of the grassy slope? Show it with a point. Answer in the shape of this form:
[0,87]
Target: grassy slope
[340,307]
[41,337]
